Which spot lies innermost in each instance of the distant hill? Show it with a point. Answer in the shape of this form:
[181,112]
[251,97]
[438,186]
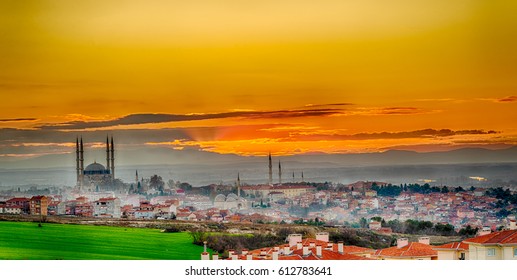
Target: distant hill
[161,156]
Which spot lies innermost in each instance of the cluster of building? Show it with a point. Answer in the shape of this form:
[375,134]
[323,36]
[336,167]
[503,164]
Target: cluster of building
[270,203]
[36,205]
[500,245]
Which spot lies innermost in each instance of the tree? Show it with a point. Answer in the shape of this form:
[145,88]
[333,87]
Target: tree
[198,236]
[139,187]
[468,231]
[378,219]
[445,189]
[503,213]
[185,186]
[157,183]
[444,229]
[363,223]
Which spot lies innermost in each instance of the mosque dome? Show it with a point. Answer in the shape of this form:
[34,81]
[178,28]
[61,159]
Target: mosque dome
[232,197]
[220,198]
[95,167]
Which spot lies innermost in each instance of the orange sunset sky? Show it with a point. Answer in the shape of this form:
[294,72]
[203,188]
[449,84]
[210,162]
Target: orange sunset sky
[252,77]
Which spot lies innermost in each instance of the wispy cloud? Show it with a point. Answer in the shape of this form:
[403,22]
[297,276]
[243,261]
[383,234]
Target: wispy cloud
[424,133]
[512,98]
[386,111]
[507,99]
[19,120]
[328,105]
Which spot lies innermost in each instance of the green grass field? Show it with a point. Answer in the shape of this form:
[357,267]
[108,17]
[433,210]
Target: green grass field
[27,241]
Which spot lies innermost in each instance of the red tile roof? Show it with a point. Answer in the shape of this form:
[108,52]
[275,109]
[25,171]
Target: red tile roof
[350,252]
[459,246]
[107,199]
[413,249]
[23,199]
[505,237]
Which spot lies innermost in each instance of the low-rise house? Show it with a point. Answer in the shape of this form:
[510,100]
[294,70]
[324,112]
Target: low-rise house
[499,245]
[453,251]
[57,208]
[144,214]
[14,210]
[39,205]
[374,225]
[405,250]
[18,204]
[83,209]
[182,216]
[107,207]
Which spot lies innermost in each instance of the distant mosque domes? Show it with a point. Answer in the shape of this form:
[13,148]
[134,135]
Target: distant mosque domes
[231,197]
[230,201]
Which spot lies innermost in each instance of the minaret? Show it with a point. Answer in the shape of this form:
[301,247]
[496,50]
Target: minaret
[107,154]
[270,170]
[112,159]
[302,177]
[279,173]
[293,177]
[81,161]
[78,167]
[136,176]
[238,185]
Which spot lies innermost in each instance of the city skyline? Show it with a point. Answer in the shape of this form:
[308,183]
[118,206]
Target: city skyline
[289,77]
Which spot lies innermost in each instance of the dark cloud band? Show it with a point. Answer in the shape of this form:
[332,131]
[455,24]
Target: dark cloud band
[18,120]
[135,119]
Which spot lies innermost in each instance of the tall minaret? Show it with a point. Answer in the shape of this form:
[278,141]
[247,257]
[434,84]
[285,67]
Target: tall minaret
[81,161]
[293,178]
[302,177]
[238,185]
[112,159]
[279,173]
[78,167]
[107,154]
[270,170]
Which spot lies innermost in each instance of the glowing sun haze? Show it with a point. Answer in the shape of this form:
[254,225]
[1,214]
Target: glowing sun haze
[249,77]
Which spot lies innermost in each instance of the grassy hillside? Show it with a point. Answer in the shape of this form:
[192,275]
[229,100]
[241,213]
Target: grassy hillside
[25,240]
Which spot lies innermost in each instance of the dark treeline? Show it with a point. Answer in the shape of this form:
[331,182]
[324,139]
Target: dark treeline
[394,190]
[425,228]
[505,200]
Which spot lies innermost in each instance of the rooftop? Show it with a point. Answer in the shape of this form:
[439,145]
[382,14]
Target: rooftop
[505,237]
[413,249]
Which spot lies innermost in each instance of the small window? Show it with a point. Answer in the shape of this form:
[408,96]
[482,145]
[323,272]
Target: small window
[515,252]
[491,252]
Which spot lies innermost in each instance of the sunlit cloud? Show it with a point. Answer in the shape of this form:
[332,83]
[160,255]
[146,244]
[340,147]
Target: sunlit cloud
[512,98]
[507,99]
[31,155]
[70,144]
[424,133]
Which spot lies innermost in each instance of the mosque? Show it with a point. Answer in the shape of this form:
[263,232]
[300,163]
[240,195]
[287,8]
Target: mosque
[95,175]
[231,201]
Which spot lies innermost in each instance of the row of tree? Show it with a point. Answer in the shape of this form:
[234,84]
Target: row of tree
[394,190]
[422,227]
